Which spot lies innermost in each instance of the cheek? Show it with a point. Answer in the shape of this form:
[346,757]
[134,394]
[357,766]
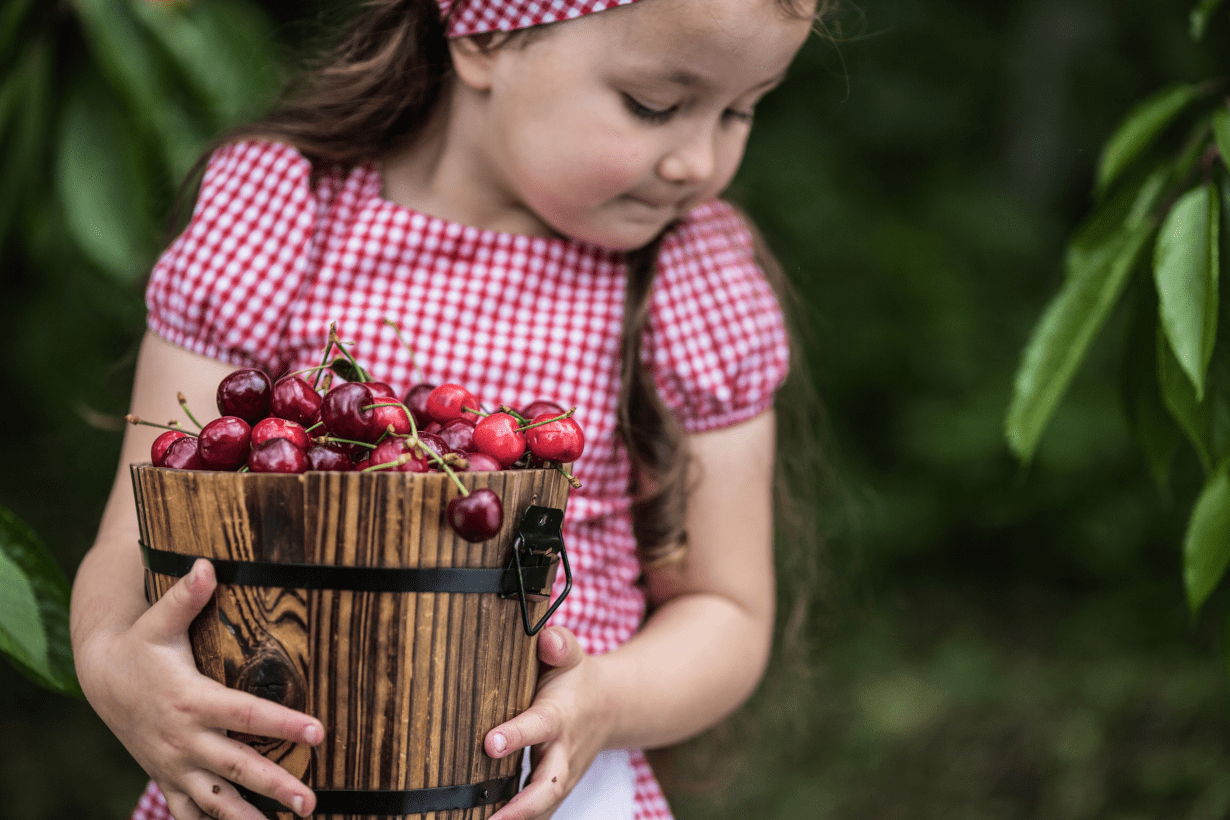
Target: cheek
[592,164]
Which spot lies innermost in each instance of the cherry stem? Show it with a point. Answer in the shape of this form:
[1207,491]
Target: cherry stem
[131,419]
[573,480]
[184,404]
[413,441]
[560,417]
[243,469]
[334,440]
[504,408]
[413,362]
[334,340]
[314,426]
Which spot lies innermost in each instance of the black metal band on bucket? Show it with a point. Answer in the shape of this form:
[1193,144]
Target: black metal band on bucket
[353,579]
[396,803]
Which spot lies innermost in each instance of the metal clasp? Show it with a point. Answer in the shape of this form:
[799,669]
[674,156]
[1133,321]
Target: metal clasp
[539,540]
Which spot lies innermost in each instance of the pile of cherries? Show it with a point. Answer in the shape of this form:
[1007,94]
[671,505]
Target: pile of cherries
[292,426]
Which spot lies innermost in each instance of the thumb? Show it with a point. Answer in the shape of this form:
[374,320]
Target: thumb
[173,612]
[558,647]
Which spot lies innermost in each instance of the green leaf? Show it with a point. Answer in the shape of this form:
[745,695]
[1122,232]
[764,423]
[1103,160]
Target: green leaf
[100,184]
[1206,546]
[34,608]
[24,123]
[1138,132]
[1186,271]
[1062,336]
[1151,424]
[132,65]
[1199,17]
[1221,132]
[222,49]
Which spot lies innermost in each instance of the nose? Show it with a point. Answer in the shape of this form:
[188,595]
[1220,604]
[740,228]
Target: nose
[691,161]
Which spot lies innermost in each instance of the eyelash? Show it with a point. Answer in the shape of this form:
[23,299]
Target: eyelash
[653,116]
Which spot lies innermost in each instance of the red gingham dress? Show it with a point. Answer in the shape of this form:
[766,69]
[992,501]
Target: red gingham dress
[271,257]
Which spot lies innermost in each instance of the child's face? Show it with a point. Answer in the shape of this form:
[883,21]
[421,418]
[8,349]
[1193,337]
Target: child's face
[608,127]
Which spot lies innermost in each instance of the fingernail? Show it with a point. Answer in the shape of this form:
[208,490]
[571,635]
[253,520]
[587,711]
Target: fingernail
[313,734]
[558,640]
[297,804]
[499,742]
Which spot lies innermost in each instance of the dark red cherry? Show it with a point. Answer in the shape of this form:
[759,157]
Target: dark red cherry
[362,464]
[416,400]
[436,444]
[224,443]
[480,463]
[380,389]
[293,398]
[158,449]
[346,412]
[245,394]
[537,408]
[274,427]
[450,401]
[458,434]
[497,436]
[328,458]
[393,449]
[477,516]
[277,455]
[183,455]
[560,441]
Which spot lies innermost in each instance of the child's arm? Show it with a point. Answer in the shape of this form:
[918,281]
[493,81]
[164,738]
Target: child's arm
[698,656]
[134,661]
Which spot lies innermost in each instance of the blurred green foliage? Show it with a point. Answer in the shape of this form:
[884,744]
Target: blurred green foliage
[995,640]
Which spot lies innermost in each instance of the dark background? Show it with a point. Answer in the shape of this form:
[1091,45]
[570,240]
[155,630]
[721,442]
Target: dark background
[991,640]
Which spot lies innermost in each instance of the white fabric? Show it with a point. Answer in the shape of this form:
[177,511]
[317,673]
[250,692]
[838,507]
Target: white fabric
[605,792]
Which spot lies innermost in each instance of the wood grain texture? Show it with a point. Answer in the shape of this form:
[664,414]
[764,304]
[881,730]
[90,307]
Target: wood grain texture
[406,684]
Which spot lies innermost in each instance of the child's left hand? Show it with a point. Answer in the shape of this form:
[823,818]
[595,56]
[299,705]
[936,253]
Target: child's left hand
[567,725]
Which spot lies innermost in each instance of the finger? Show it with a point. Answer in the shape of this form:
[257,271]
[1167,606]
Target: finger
[242,765]
[235,711]
[213,797]
[171,614]
[545,791]
[538,724]
[558,647]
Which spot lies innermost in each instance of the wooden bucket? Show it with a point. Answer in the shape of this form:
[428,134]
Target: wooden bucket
[406,683]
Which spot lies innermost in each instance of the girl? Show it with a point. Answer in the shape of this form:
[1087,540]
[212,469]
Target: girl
[529,188]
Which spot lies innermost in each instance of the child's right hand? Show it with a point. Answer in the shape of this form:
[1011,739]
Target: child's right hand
[173,720]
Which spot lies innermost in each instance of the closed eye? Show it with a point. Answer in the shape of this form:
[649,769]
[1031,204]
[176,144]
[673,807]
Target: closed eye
[733,115]
[653,116]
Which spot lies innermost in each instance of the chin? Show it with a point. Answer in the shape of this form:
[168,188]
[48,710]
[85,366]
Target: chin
[626,237]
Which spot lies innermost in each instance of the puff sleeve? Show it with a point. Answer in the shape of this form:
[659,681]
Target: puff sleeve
[224,287]
[716,338]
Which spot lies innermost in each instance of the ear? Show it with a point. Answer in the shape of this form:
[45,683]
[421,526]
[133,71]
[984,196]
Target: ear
[472,63]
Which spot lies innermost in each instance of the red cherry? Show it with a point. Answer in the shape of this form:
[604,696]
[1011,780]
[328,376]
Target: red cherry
[183,455]
[224,443]
[328,458]
[480,463]
[159,448]
[380,389]
[561,441]
[458,434]
[392,449]
[277,455]
[450,401]
[293,398]
[416,400]
[477,516]
[346,412]
[362,465]
[537,408]
[245,394]
[497,436]
[274,427]
[390,415]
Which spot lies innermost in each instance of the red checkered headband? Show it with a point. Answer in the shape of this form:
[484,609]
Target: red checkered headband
[480,16]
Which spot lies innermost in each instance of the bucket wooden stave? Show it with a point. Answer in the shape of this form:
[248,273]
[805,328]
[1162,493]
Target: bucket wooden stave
[407,684]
